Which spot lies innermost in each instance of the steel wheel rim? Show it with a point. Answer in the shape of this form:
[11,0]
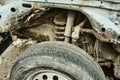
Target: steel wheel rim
[48,75]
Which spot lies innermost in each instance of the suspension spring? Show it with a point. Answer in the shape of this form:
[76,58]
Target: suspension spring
[59,33]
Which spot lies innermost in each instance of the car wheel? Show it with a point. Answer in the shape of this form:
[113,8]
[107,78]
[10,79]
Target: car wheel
[55,61]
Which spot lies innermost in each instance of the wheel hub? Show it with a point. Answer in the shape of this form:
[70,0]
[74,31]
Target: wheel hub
[48,75]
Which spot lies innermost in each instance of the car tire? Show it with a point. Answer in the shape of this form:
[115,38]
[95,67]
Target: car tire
[56,58]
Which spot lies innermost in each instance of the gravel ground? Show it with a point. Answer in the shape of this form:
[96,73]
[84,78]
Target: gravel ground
[11,55]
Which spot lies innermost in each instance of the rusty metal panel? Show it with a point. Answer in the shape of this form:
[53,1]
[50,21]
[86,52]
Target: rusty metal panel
[11,10]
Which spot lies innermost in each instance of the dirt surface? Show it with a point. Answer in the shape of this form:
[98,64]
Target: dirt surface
[11,55]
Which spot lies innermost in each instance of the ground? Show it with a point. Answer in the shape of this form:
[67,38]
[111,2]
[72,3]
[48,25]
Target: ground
[11,55]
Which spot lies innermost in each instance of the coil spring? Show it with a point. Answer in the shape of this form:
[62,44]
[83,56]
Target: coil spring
[59,33]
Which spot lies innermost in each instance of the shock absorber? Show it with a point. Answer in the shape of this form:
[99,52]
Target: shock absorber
[63,32]
[69,25]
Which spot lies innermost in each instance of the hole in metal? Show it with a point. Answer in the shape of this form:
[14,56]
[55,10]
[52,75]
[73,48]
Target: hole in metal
[101,2]
[7,23]
[55,77]
[103,29]
[44,77]
[13,9]
[27,5]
